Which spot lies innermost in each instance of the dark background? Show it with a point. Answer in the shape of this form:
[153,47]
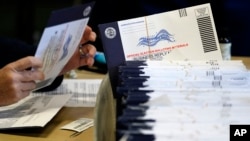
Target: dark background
[26,19]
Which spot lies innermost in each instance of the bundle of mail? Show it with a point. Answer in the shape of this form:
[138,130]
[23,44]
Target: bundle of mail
[170,81]
[183,100]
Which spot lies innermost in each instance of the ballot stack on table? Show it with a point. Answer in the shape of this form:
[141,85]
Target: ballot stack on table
[169,80]
[181,100]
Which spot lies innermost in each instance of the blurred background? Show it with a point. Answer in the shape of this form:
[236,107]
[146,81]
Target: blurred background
[26,19]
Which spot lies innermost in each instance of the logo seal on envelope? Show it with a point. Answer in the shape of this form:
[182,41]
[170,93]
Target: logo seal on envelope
[86,11]
[162,35]
[110,32]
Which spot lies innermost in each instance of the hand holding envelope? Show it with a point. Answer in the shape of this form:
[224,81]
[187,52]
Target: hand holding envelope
[59,44]
[84,48]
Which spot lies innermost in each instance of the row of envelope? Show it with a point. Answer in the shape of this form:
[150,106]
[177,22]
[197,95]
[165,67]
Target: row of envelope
[182,100]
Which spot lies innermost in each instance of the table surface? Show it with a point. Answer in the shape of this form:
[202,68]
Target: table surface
[246,60]
[52,131]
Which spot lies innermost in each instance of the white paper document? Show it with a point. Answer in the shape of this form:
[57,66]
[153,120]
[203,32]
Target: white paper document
[33,111]
[38,109]
[84,91]
[79,125]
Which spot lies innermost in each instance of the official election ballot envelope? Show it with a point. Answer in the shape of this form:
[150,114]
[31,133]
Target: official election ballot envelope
[184,34]
[60,39]
[187,33]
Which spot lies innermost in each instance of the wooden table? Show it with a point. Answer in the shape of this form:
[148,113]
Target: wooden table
[246,60]
[52,131]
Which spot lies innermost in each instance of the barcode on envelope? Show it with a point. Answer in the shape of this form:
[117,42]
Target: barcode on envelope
[207,34]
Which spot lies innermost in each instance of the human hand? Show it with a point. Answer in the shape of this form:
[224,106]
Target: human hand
[17,80]
[77,60]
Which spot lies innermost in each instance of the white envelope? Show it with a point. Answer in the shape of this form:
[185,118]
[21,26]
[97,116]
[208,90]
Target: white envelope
[184,34]
[60,39]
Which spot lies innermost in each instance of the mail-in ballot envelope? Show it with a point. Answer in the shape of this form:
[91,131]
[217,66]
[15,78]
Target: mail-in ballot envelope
[187,33]
[184,34]
[60,39]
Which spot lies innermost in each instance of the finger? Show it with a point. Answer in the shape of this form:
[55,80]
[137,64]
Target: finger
[88,35]
[91,35]
[27,62]
[90,61]
[87,61]
[90,52]
[31,75]
[89,49]
[28,86]
[25,94]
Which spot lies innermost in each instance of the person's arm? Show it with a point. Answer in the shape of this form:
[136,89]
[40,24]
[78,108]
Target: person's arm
[17,80]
